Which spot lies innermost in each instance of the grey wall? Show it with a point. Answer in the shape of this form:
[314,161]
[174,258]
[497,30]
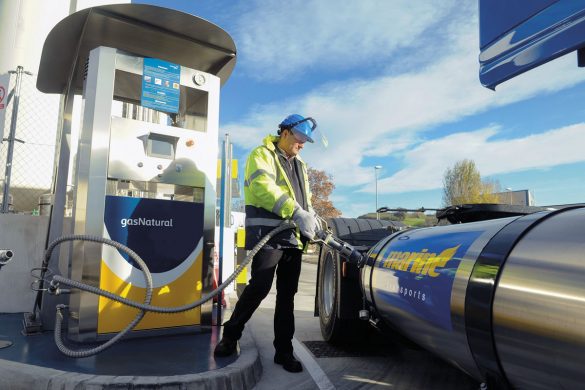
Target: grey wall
[25,235]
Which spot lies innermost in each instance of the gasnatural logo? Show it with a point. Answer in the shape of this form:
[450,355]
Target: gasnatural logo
[146,222]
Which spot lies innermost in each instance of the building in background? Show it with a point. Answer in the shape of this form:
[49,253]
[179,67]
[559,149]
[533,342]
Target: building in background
[24,25]
[519,197]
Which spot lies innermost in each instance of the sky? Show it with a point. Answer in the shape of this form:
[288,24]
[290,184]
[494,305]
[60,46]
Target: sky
[395,84]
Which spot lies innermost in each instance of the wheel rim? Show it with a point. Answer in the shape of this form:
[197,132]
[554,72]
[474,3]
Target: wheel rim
[328,290]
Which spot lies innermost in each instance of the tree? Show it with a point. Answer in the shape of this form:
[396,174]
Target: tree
[321,185]
[430,220]
[400,214]
[462,184]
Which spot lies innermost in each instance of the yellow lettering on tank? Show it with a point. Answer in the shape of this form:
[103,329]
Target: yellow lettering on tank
[406,261]
[397,263]
[418,261]
[439,261]
[421,263]
[387,261]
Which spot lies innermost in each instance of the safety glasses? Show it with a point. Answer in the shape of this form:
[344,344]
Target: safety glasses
[299,137]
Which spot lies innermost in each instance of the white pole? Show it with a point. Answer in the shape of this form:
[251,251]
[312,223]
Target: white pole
[376,175]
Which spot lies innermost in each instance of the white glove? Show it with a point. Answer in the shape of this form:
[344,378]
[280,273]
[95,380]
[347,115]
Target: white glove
[305,221]
[317,219]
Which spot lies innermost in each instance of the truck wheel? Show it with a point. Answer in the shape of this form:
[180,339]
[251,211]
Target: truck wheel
[333,328]
[336,327]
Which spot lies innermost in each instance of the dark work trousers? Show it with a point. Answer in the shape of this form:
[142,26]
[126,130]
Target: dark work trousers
[287,264]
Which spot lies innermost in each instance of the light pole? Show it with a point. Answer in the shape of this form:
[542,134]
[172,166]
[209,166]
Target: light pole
[376,175]
[509,194]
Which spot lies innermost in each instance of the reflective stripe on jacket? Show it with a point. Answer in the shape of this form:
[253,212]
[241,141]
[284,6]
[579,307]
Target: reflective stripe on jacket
[270,197]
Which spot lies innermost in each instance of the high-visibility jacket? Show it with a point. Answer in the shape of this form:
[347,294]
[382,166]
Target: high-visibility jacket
[270,197]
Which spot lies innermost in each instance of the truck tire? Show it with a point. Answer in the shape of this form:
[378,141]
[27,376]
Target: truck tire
[333,328]
[335,324]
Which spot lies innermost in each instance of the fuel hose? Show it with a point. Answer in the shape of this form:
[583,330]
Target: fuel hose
[144,307]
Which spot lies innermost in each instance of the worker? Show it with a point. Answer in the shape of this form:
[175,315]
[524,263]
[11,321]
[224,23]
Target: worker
[276,188]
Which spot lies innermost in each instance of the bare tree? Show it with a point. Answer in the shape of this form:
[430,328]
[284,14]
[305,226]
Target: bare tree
[463,184]
[321,186]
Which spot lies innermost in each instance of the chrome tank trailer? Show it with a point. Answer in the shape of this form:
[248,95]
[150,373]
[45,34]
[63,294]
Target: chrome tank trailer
[503,299]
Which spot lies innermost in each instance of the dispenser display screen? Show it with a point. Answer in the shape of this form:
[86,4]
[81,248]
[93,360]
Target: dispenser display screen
[160,146]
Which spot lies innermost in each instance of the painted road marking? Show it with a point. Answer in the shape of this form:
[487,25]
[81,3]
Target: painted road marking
[320,378]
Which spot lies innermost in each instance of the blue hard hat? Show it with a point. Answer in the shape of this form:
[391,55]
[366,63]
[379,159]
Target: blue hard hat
[301,126]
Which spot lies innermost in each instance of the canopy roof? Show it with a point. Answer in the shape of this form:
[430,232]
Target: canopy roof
[140,29]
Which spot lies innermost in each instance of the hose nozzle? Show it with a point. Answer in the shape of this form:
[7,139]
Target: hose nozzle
[5,256]
[342,247]
[53,288]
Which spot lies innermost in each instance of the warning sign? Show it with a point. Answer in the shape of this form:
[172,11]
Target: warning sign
[4,89]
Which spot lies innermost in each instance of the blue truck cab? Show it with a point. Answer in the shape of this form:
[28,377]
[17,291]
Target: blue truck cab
[519,35]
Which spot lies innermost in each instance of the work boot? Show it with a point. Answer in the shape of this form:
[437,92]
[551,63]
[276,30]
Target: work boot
[225,347]
[288,362]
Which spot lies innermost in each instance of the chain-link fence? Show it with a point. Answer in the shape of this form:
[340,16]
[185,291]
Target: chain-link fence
[31,168]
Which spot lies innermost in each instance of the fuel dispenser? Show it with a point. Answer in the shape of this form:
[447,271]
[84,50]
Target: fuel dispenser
[145,167]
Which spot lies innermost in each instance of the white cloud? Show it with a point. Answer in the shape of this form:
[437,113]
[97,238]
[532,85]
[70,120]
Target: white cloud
[378,117]
[427,162]
[278,39]
[389,115]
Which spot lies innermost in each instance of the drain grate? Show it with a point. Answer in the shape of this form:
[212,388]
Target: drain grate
[322,349]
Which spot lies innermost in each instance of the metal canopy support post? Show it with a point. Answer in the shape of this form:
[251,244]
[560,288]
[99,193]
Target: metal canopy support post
[227,222]
[222,211]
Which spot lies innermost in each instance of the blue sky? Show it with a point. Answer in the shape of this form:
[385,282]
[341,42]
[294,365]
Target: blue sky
[395,83]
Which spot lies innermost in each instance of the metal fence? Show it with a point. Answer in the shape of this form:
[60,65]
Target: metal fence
[28,170]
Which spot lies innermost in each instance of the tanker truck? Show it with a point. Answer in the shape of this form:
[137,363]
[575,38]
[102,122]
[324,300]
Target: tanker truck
[501,299]
[499,292]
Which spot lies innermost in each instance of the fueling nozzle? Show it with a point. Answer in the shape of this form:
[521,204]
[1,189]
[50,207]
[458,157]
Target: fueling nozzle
[325,236]
[5,256]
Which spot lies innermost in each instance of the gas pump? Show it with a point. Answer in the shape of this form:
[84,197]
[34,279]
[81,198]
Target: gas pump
[147,192]
[145,167]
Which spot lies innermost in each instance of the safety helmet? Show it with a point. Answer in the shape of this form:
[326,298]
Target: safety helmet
[301,126]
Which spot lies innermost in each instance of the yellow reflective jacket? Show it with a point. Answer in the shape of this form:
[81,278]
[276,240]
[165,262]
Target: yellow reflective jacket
[270,197]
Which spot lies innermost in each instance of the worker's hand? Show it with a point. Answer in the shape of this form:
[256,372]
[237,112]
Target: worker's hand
[317,219]
[312,211]
[305,221]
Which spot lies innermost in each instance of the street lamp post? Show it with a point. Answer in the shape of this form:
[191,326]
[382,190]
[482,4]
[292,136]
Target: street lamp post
[376,175]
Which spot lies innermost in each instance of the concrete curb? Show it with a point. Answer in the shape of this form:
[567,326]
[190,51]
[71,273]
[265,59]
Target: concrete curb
[244,373]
